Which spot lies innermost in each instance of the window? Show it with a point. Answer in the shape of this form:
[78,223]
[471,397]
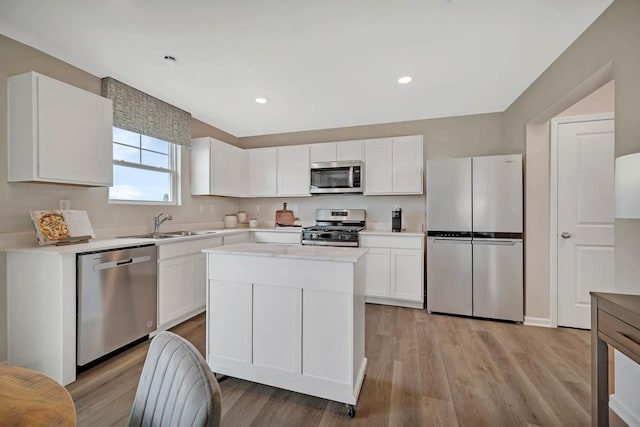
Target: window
[145,169]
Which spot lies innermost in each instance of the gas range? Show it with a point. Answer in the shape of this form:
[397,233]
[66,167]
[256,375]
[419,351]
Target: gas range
[335,227]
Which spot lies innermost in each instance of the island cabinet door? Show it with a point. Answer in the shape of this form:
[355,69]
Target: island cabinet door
[276,327]
[229,322]
[327,333]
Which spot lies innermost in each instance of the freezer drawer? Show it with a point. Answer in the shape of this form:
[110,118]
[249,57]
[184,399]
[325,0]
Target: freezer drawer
[449,277]
[498,279]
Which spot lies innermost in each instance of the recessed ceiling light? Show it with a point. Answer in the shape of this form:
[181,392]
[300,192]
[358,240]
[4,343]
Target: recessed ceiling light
[262,100]
[404,80]
[170,59]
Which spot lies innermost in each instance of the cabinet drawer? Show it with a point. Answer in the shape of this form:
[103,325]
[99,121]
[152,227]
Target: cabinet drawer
[275,237]
[391,242]
[236,238]
[172,250]
[626,336]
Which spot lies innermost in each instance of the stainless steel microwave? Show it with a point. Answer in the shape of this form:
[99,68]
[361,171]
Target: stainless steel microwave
[336,177]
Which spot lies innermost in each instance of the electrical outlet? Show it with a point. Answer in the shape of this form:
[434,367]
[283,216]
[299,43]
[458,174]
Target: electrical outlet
[257,208]
[212,208]
[294,208]
[64,204]
[201,208]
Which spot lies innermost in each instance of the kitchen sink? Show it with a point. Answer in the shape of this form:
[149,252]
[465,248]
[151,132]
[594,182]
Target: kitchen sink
[168,234]
[188,233]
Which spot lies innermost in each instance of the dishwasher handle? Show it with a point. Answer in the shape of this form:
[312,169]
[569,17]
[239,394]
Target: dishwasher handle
[121,263]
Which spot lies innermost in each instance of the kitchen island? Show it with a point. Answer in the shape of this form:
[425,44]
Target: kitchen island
[288,316]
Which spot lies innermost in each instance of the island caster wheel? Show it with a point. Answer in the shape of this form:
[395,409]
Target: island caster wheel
[351,410]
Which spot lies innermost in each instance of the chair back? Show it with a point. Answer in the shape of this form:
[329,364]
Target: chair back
[176,388]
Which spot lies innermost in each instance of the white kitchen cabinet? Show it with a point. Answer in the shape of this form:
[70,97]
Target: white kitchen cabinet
[349,150]
[377,272]
[58,133]
[335,151]
[378,164]
[200,277]
[293,170]
[394,165]
[262,172]
[217,168]
[296,324]
[407,165]
[323,152]
[176,288]
[407,280]
[394,269]
[182,280]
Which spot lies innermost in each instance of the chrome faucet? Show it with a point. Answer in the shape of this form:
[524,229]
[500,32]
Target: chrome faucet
[159,220]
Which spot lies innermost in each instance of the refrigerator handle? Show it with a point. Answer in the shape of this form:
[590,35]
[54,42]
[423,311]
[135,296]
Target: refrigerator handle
[495,242]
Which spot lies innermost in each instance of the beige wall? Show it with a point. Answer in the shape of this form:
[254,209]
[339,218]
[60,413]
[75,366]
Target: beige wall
[478,135]
[16,199]
[613,38]
[600,101]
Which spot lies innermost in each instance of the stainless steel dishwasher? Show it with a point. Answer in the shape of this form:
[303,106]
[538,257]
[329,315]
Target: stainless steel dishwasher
[116,299]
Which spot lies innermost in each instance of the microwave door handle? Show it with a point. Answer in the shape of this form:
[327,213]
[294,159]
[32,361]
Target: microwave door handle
[351,177]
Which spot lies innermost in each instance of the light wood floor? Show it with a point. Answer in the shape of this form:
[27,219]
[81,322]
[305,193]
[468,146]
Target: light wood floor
[424,370]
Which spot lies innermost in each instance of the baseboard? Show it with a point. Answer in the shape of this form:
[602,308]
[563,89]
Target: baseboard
[397,303]
[3,362]
[627,415]
[537,321]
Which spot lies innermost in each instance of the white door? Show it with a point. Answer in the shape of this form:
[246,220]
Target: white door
[585,204]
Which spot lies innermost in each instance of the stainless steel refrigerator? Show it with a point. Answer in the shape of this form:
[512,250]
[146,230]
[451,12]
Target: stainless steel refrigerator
[474,237]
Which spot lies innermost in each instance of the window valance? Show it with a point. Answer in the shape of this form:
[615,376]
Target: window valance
[139,112]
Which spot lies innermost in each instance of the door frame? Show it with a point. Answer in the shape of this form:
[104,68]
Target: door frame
[553,204]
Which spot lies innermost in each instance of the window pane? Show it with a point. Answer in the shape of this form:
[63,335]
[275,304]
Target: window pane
[139,184]
[154,159]
[126,153]
[155,144]
[126,137]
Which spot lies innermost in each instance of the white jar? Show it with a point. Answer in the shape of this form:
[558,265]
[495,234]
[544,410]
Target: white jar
[242,217]
[230,221]
[253,223]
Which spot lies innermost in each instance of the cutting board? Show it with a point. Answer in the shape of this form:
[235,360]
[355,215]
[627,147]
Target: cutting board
[285,217]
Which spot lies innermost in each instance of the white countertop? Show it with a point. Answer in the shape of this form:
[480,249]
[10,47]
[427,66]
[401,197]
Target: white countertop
[114,243]
[319,253]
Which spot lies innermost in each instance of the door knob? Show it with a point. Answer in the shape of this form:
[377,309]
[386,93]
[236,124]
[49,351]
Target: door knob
[565,235]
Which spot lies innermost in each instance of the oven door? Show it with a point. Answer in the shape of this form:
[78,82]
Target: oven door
[336,177]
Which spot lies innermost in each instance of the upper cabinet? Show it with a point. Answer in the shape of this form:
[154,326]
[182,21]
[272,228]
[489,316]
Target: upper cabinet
[217,168]
[293,170]
[335,151]
[58,133]
[262,171]
[394,165]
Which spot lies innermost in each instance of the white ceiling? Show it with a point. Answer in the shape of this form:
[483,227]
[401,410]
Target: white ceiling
[321,64]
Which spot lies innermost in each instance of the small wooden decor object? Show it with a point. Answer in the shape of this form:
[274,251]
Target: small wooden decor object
[284,217]
[62,227]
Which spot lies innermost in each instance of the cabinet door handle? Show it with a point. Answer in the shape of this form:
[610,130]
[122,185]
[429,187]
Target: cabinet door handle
[566,235]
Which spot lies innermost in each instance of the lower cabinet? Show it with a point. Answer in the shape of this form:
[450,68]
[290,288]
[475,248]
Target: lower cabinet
[394,270]
[182,280]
